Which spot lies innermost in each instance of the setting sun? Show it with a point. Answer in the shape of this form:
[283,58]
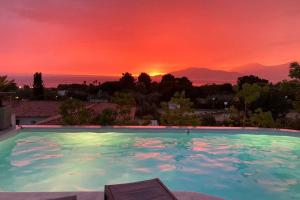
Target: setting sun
[155,73]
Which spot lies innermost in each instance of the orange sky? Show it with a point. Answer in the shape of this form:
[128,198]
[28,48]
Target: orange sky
[108,37]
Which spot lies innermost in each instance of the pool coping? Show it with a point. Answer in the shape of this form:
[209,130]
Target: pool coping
[14,131]
[9,133]
[157,127]
[93,195]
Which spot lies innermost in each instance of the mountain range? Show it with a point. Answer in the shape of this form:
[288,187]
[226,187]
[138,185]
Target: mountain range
[202,75]
[198,75]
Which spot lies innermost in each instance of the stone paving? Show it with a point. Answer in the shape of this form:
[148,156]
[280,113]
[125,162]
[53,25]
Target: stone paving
[90,195]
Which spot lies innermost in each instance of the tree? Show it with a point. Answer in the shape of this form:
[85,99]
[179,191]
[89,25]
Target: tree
[289,88]
[107,117]
[144,78]
[127,81]
[144,83]
[296,103]
[183,84]
[208,120]
[147,104]
[262,119]
[294,70]
[251,79]
[167,86]
[124,101]
[74,112]
[274,100]
[178,111]
[110,87]
[6,86]
[235,117]
[38,86]
[249,93]
[167,78]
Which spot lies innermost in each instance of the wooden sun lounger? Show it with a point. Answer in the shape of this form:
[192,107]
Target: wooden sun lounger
[65,198]
[144,190]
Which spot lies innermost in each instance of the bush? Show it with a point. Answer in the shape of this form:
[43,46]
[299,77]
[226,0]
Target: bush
[181,114]
[208,120]
[107,117]
[289,123]
[262,119]
[73,112]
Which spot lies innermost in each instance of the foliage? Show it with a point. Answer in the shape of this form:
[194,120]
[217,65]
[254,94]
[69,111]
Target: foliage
[296,103]
[169,85]
[251,80]
[107,117]
[127,81]
[294,70]
[6,86]
[144,78]
[110,87]
[38,86]
[124,101]
[292,123]
[147,104]
[235,117]
[208,120]
[262,119]
[74,112]
[144,81]
[25,92]
[249,93]
[181,113]
[289,88]
[272,99]
[214,89]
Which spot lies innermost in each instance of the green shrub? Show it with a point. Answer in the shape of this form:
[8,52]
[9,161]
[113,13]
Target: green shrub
[208,120]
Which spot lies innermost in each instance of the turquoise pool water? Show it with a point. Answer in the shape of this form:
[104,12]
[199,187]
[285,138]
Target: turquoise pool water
[230,164]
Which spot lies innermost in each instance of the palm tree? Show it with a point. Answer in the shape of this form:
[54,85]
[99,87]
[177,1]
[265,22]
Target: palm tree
[6,86]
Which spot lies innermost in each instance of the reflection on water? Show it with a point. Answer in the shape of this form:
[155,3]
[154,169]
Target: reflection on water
[149,143]
[153,155]
[237,166]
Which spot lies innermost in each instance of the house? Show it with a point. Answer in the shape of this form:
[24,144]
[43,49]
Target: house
[47,112]
[32,112]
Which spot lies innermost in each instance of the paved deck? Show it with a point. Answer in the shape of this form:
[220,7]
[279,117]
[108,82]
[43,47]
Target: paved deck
[89,195]
[4,134]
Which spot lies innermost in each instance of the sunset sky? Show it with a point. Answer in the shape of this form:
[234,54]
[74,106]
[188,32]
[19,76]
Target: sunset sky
[108,37]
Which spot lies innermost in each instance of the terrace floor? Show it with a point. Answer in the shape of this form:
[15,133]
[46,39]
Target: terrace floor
[90,195]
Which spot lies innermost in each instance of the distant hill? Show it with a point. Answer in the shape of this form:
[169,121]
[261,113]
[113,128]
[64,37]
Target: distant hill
[198,75]
[53,80]
[201,76]
[207,76]
[273,73]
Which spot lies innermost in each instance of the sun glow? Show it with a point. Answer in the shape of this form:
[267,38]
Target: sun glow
[155,73]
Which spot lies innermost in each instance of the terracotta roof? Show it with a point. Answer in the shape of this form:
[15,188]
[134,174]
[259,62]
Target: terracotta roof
[36,108]
[96,108]
[99,107]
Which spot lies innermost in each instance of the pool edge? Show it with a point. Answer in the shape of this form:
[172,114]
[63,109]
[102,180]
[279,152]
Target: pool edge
[157,127]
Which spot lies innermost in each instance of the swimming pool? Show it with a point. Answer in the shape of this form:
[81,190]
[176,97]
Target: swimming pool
[233,164]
